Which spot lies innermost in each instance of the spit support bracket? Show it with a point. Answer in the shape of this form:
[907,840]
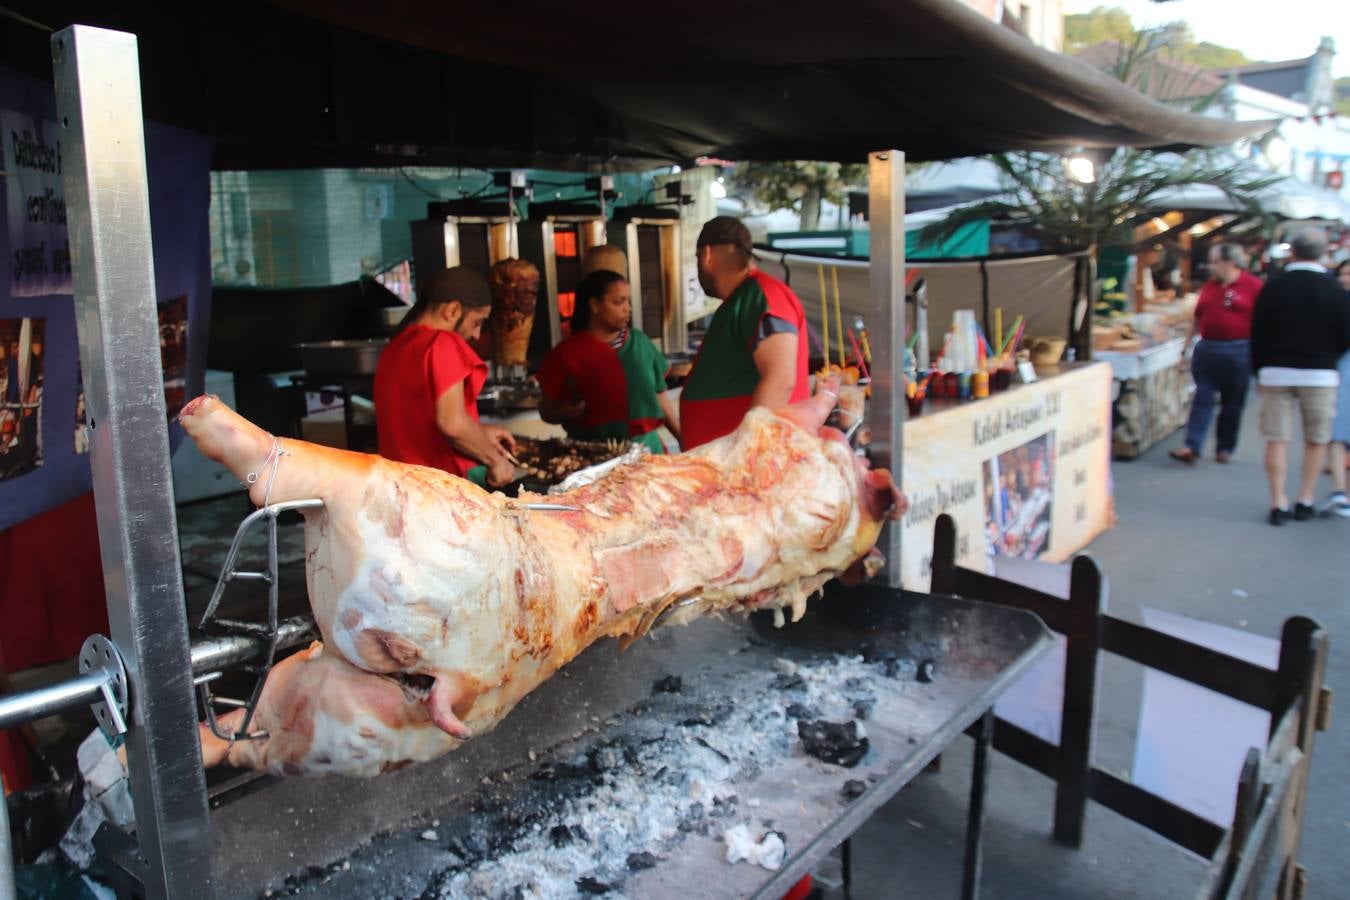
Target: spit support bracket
[101,656]
[264,632]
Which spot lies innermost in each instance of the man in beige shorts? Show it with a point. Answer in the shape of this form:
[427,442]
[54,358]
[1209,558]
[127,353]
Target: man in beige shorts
[1300,327]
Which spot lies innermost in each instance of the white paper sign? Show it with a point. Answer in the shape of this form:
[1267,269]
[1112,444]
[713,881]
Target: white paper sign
[39,261]
[1035,702]
[1192,741]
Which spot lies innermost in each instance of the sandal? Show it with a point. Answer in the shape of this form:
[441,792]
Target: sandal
[1184,454]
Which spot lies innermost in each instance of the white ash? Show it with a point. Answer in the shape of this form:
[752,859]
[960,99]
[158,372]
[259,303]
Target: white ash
[647,804]
[756,845]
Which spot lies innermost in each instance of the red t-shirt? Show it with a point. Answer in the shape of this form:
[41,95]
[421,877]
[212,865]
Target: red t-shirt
[419,365]
[588,367]
[1224,312]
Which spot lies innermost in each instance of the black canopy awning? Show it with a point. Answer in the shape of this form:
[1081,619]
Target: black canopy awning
[541,82]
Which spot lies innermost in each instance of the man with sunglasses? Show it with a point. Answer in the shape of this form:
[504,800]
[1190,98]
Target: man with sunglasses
[1221,361]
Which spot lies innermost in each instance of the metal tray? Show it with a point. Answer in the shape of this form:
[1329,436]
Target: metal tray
[310,829]
[349,357]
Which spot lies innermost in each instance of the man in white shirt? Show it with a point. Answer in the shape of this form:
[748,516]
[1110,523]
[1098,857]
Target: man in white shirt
[1300,327]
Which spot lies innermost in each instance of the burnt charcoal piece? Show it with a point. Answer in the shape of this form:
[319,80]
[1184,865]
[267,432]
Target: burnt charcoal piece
[639,861]
[785,682]
[853,789]
[837,743]
[927,669]
[589,885]
[863,707]
[802,711]
[561,835]
[891,668]
[671,684]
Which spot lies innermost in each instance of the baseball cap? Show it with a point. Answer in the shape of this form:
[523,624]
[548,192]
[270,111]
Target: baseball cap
[726,230]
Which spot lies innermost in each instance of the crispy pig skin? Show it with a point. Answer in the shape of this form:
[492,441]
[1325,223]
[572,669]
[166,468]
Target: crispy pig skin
[415,572]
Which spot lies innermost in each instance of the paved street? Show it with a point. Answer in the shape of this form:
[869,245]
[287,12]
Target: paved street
[1189,540]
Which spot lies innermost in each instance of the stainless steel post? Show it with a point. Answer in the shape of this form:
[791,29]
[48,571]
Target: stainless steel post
[98,102]
[886,212]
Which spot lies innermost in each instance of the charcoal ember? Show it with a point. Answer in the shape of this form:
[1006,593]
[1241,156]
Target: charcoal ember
[592,885]
[695,819]
[863,706]
[784,682]
[838,743]
[802,711]
[853,789]
[671,684]
[639,861]
[562,834]
[890,667]
[927,669]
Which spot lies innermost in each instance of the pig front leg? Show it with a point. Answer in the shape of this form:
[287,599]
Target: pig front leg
[324,716]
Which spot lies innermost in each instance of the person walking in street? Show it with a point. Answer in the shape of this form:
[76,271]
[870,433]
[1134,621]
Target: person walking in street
[1300,329]
[1221,361]
[1337,504]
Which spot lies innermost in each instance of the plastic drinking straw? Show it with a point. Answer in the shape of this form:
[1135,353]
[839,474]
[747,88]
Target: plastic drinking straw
[824,316]
[998,326]
[838,315]
[858,352]
[1012,330]
[1017,337]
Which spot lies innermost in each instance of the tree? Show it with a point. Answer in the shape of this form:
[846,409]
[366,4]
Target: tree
[1067,215]
[1101,24]
[800,186]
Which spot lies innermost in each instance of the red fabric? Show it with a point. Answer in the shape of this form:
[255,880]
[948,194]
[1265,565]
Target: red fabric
[51,599]
[801,890]
[784,304]
[585,366]
[418,366]
[51,586]
[1224,312]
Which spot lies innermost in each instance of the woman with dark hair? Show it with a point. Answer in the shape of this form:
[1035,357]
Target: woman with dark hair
[607,380]
[427,384]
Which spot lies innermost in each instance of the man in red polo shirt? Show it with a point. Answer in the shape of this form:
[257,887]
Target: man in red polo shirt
[1221,362]
[427,384]
[755,351]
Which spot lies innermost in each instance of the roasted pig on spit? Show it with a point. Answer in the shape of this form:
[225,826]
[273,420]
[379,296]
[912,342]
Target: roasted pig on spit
[440,605]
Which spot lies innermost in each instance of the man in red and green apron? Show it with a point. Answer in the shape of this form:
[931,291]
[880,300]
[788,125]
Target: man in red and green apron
[607,381]
[755,352]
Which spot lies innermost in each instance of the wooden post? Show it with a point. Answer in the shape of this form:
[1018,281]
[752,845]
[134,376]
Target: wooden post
[1084,636]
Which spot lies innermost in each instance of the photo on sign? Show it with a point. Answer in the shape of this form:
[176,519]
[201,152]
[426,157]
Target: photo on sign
[1019,487]
[173,347]
[81,415]
[21,359]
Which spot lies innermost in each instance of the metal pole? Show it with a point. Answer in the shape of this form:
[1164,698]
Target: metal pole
[18,709]
[98,104]
[886,209]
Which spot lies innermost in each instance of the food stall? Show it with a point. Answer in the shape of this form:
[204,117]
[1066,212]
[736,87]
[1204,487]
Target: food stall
[1153,388]
[142,681]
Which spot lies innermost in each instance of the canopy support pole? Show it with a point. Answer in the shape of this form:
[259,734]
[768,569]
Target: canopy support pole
[886,213]
[98,105]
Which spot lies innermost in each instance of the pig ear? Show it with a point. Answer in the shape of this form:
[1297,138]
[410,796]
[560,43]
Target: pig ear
[812,412]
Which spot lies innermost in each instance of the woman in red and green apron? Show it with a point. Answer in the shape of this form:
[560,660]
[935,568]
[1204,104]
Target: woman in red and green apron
[607,380]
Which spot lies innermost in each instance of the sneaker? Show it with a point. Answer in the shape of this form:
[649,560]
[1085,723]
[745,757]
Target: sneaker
[1278,516]
[1336,505]
[1303,512]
